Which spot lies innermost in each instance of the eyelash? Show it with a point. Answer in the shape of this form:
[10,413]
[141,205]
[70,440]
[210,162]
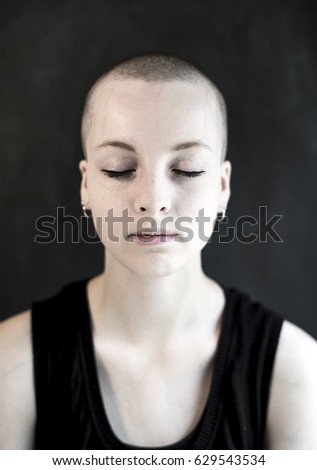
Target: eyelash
[118,174]
[188,174]
[128,173]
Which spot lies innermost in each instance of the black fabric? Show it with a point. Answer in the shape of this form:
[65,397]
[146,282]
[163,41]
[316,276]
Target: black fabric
[70,411]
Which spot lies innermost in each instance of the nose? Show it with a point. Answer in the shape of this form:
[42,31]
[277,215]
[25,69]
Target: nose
[153,196]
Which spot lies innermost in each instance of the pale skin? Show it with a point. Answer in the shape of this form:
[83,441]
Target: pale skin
[156,315]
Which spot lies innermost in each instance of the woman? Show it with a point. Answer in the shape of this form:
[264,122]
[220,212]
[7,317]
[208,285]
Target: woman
[152,353]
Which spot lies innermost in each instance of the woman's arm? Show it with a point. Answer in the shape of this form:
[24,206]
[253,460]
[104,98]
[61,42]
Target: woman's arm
[17,407]
[292,411]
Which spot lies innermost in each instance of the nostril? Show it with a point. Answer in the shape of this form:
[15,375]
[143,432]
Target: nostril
[144,209]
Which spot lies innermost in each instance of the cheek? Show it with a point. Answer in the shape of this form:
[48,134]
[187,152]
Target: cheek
[204,195]
[108,207]
[202,207]
[104,194]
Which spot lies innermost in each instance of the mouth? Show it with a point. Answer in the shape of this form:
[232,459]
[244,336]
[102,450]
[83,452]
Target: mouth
[152,238]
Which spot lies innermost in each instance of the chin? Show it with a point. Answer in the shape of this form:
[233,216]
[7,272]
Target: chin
[154,265]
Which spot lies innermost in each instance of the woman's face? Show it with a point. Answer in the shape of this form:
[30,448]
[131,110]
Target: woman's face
[153,170]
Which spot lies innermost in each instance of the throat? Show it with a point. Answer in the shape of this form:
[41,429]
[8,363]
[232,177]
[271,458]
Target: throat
[152,308]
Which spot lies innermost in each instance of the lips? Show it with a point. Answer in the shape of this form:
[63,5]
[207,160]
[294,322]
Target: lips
[152,238]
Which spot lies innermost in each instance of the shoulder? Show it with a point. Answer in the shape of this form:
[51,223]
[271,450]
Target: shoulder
[292,411]
[17,409]
[15,340]
[296,356]
[296,344]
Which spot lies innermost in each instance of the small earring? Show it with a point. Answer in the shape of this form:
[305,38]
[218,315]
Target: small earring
[86,210]
[221,216]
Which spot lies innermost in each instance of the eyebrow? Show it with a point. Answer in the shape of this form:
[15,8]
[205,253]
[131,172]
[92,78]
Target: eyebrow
[117,144]
[189,145]
[124,146]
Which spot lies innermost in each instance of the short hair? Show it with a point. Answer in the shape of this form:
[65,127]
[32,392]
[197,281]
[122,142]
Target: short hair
[154,67]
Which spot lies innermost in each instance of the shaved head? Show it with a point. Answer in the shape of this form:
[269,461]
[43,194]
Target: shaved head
[154,68]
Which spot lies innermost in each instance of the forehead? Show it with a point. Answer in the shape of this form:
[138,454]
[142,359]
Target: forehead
[135,109]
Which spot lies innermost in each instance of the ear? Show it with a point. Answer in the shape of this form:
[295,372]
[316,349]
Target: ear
[225,185]
[83,167]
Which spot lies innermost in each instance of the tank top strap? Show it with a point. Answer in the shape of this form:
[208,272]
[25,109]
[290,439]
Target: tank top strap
[252,337]
[55,328]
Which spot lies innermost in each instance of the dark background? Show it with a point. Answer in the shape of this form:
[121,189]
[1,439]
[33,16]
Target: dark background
[261,54]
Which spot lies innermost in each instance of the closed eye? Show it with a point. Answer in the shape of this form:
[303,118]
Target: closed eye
[188,174]
[128,173]
[118,174]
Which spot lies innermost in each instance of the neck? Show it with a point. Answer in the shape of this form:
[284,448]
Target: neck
[141,308]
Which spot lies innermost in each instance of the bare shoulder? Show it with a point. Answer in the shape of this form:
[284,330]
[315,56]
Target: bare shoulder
[17,408]
[292,411]
[296,355]
[15,338]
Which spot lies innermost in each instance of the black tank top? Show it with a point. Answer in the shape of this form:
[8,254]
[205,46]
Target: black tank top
[70,410]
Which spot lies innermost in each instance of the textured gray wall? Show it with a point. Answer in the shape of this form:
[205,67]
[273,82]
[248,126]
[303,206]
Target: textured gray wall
[263,57]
